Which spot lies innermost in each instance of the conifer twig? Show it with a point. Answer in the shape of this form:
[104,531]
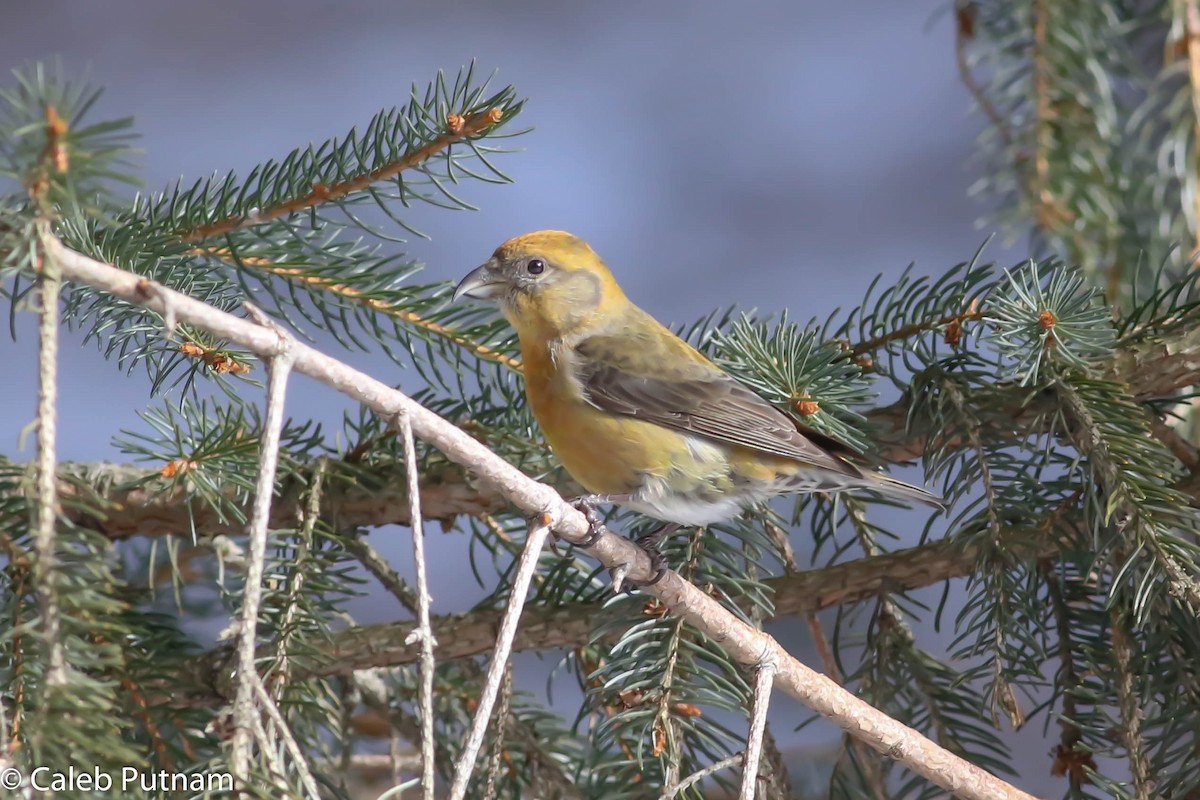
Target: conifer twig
[869,766]
[296,580]
[1071,758]
[908,331]
[458,129]
[289,742]
[741,641]
[45,506]
[387,576]
[1131,713]
[701,774]
[539,530]
[964,26]
[282,356]
[569,626]
[1179,446]
[764,677]
[423,632]
[497,754]
[341,289]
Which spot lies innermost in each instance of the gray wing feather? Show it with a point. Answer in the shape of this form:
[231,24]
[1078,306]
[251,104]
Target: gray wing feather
[714,406]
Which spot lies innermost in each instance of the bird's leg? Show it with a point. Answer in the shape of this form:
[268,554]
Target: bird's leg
[586,505]
[649,543]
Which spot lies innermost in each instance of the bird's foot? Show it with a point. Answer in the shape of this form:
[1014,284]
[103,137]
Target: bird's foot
[658,562]
[586,505]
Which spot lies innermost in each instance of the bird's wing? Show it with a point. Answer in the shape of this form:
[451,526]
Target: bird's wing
[695,396]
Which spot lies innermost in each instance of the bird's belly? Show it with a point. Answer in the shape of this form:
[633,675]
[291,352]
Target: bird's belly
[668,475]
[604,453]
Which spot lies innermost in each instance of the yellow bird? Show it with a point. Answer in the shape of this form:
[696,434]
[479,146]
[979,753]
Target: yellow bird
[637,415]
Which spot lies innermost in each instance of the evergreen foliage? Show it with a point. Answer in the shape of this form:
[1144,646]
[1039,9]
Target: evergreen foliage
[1043,400]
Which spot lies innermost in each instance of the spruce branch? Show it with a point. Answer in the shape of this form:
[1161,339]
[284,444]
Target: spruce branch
[1131,713]
[1179,446]
[458,129]
[279,676]
[387,576]
[45,506]
[338,287]
[502,715]
[1130,499]
[740,640]
[1071,759]
[571,625]
[949,321]
[121,501]
[279,725]
[964,31]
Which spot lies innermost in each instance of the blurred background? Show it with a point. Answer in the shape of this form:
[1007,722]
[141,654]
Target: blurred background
[776,154]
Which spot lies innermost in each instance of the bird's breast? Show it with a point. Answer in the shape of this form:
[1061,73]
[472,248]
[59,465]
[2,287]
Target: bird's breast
[606,453]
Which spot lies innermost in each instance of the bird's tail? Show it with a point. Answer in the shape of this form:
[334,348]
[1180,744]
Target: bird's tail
[889,486]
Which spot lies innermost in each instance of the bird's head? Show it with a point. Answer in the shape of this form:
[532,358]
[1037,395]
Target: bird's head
[548,284]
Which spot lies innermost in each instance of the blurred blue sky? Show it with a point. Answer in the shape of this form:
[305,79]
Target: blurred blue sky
[770,154]
[776,155]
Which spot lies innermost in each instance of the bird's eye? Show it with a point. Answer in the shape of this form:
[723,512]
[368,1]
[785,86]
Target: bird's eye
[535,266]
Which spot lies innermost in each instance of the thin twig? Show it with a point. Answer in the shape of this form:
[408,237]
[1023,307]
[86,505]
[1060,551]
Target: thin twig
[282,356]
[459,130]
[1192,33]
[908,331]
[526,565]
[1130,732]
[741,641]
[867,762]
[498,749]
[423,632]
[387,576]
[725,763]
[1048,210]
[279,677]
[764,677]
[45,507]
[1179,446]
[383,306]
[964,24]
[1071,758]
[299,759]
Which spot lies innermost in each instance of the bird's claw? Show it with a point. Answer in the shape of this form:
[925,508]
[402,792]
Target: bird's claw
[658,563]
[586,505]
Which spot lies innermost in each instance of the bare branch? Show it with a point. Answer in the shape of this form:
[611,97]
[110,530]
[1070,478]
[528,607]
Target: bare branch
[764,676]
[247,698]
[526,566]
[45,505]
[699,775]
[423,633]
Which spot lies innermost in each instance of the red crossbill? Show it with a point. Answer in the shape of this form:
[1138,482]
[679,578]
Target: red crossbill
[637,415]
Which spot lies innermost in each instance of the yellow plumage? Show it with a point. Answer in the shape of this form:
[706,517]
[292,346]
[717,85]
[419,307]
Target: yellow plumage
[638,414]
